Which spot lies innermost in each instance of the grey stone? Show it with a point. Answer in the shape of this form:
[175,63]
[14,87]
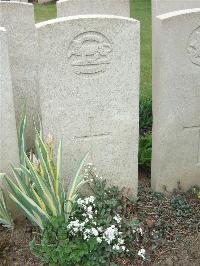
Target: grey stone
[18,19]
[8,133]
[176,97]
[25,1]
[89,91]
[44,1]
[92,7]
[160,7]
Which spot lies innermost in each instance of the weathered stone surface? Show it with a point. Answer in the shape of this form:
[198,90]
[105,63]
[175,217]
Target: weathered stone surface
[91,7]
[8,133]
[18,19]
[89,90]
[176,97]
[25,1]
[160,7]
[44,1]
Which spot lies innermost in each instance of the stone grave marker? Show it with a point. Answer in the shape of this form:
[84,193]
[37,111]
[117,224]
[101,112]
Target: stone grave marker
[160,7]
[8,133]
[89,91]
[18,19]
[92,7]
[176,98]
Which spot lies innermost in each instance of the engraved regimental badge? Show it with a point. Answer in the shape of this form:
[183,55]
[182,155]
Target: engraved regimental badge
[193,48]
[90,53]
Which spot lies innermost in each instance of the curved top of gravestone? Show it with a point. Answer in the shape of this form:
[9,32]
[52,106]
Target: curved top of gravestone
[83,17]
[179,13]
[15,3]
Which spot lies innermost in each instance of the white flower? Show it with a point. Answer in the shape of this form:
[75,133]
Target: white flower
[142,253]
[120,241]
[117,218]
[110,234]
[123,248]
[116,247]
[94,232]
[89,209]
[99,240]
[100,229]
[91,199]
[140,231]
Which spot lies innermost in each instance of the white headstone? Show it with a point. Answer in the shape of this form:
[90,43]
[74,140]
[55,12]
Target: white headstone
[176,98]
[18,19]
[160,7]
[89,90]
[25,1]
[8,133]
[92,7]
[44,1]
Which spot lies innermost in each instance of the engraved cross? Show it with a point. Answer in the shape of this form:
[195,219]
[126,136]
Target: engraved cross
[91,136]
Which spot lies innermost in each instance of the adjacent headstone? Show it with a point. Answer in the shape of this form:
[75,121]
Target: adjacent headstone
[89,91]
[18,19]
[92,7]
[44,1]
[26,1]
[8,133]
[176,98]
[160,7]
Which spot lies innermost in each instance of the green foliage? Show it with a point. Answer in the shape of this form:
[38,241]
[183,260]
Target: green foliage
[145,148]
[146,118]
[39,188]
[196,191]
[57,248]
[145,142]
[63,243]
[45,11]
[5,218]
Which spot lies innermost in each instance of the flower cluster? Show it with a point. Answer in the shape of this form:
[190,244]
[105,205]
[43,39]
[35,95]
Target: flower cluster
[86,225]
[142,253]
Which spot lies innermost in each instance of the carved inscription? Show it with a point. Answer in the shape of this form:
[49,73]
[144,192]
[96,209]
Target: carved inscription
[90,53]
[193,48]
[92,136]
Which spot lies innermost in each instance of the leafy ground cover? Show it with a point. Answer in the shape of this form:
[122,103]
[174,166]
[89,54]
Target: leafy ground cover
[169,231]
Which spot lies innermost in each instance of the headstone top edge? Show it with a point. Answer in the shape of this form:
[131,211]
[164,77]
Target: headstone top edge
[85,17]
[14,3]
[59,1]
[182,12]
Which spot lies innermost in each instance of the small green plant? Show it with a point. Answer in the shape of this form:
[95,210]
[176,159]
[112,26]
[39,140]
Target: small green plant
[100,230]
[145,142]
[39,188]
[5,217]
[145,148]
[196,191]
[146,118]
